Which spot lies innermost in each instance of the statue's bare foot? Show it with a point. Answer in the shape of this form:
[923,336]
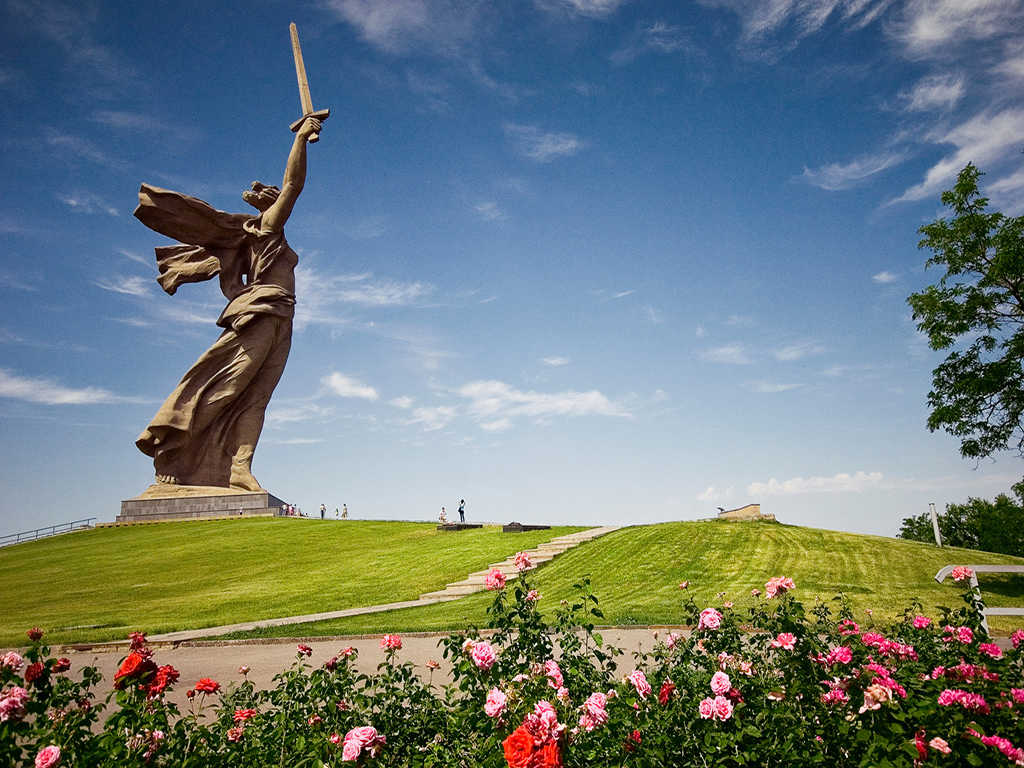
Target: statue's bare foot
[241,480]
[166,480]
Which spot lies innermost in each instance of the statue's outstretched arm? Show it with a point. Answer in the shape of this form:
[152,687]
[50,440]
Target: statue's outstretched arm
[294,178]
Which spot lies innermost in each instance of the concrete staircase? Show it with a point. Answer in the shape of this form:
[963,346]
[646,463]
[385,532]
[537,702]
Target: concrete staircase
[475,582]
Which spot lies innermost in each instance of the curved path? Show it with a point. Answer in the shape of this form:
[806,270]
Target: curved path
[473,583]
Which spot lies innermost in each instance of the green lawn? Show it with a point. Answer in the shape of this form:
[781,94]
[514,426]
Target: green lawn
[101,584]
[636,574]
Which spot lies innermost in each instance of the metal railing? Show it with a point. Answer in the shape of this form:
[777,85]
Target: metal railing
[42,533]
[975,570]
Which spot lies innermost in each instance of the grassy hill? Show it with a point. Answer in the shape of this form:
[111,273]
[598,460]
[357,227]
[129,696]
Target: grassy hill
[635,572]
[101,584]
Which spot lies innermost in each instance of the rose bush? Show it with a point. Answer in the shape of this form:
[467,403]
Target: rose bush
[765,683]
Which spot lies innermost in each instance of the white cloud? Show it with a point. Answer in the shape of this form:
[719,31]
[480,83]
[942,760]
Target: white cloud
[885,277]
[442,26]
[530,141]
[835,177]
[319,292]
[494,404]
[49,392]
[935,92]
[489,211]
[594,8]
[734,354]
[87,202]
[771,388]
[401,402]
[797,351]
[605,295]
[132,286]
[928,26]
[298,413]
[982,140]
[433,418]
[841,483]
[658,37]
[556,360]
[344,386]
[712,495]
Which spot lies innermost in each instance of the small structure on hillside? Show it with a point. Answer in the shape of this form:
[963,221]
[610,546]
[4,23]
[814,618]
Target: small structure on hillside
[749,512]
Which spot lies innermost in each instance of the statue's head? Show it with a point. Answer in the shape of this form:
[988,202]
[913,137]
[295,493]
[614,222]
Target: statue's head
[261,196]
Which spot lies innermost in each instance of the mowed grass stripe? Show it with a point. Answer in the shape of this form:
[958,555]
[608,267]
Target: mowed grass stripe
[636,572]
[100,584]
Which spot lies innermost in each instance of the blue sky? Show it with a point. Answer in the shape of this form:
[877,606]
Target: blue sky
[575,261]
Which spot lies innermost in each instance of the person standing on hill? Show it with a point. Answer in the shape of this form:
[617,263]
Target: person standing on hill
[462,511]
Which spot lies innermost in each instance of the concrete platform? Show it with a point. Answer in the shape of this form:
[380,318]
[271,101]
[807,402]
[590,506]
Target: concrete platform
[191,502]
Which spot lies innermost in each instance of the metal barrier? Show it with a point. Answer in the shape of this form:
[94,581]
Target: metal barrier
[42,533]
[976,569]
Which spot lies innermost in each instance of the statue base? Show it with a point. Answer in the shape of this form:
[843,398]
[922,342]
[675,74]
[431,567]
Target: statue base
[162,502]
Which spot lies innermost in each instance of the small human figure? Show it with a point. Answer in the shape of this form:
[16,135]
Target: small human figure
[462,511]
[323,511]
[443,517]
[335,513]
[344,511]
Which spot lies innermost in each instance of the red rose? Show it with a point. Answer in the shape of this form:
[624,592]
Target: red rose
[548,756]
[35,634]
[135,668]
[519,749]
[667,689]
[206,685]
[34,672]
[165,676]
[62,665]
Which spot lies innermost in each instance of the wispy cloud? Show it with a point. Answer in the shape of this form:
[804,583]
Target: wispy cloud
[841,483]
[87,202]
[307,412]
[927,26]
[401,402]
[606,295]
[50,392]
[934,92]
[593,8]
[982,140]
[344,386]
[489,211]
[658,37]
[711,494]
[536,144]
[797,351]
[885,277]
[835,177]
[495,404]
[556,361]
[321,291]
[732,354]
[65,146]
[440,26]
[132,286]
[433,418]
[771,387]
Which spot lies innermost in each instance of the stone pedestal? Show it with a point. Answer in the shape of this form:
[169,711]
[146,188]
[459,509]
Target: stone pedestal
[519,528]
[191,502]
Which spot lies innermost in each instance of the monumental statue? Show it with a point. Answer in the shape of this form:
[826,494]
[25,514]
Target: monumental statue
[206,431]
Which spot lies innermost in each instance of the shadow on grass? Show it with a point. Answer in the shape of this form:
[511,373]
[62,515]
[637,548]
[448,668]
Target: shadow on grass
[1009,585]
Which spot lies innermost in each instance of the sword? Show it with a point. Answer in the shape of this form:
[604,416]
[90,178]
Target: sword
[307,100]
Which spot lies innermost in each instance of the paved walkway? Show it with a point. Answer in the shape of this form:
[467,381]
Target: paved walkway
[473,583]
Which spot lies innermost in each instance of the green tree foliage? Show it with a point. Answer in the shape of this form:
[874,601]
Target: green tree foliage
[977,311]
[992,526]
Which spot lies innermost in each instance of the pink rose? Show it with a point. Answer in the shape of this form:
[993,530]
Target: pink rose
[707,708]
[939,745]
[991,649]
[842,654]
[522,561]
[921,622]
[965,635]
[723,708]
[1017,638]
[554,674]
[848,627]
[495,580]
[390,643]
[533,596]
[709,619]
[684,585]
[244,670]
[12,703]
[362,738]
[961,572]
[350,751]
[778,585]
[495,704]
[755,592]
[483,656]
[785,640]
[720,683]
[48,757]
[639,681]
[12,661]
[305,650]
[594,711]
